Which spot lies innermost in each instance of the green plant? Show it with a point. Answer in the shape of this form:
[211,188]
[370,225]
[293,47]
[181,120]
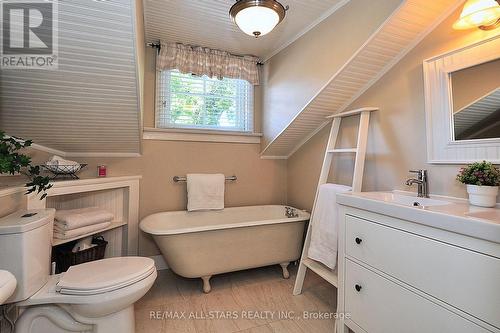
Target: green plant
[12,162]
[481,174]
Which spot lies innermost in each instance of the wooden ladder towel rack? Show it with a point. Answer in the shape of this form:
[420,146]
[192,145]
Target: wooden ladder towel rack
[359,165]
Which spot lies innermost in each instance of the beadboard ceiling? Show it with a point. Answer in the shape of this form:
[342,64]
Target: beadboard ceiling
[89,105]
[207,23]
[401,31]
[477,113]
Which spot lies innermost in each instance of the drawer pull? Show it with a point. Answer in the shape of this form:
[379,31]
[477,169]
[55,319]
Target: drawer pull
[358,288]
[358,240]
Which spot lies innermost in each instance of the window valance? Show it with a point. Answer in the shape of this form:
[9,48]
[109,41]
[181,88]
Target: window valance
[205,61]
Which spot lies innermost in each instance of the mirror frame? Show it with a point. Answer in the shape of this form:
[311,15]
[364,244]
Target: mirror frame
[442,148]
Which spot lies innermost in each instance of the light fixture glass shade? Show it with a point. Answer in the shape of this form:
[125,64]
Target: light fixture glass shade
[257,21]
[257,17]
[482,14]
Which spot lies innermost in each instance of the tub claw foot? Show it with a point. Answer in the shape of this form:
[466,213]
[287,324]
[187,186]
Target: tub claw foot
[284,266]
[206,284]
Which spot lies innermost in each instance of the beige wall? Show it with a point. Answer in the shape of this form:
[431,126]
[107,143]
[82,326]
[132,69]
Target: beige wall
[397,140]
[259,181]
[293,76]
[472,83]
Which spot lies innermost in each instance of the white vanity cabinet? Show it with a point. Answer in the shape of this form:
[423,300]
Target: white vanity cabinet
[398,276]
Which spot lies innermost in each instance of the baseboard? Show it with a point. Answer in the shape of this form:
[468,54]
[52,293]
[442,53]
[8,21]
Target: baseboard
[159,262]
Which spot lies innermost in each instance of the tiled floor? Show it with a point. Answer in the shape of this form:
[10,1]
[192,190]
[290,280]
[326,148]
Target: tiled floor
[253,301]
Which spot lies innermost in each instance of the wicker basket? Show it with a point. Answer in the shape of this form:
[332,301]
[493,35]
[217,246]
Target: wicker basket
[65,257]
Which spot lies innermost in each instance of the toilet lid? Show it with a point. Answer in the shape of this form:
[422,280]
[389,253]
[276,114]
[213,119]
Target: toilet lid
[105,275]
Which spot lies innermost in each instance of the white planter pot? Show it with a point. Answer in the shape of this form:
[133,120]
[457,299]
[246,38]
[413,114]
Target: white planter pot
[483,196]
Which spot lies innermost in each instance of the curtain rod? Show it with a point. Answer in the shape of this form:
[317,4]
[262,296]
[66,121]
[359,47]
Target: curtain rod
[157,46]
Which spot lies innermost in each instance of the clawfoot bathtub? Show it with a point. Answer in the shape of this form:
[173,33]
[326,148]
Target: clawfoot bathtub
[203,244]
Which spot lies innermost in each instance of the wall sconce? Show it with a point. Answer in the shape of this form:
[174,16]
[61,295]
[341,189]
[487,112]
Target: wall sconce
[482,14]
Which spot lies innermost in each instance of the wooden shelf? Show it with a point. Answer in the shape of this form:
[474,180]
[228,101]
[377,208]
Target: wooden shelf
[343,150]
[113,225]
[323,271]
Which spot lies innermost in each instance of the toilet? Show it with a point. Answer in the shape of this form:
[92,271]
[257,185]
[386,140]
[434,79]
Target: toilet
[95,297]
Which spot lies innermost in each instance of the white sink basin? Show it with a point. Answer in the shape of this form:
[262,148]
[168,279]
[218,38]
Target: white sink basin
[404,200]
[8,285]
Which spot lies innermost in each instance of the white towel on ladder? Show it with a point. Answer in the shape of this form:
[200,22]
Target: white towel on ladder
[325,225]
[205,191]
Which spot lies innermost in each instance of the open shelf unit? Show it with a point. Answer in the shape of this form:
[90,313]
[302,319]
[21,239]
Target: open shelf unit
[113,225]
[117,195]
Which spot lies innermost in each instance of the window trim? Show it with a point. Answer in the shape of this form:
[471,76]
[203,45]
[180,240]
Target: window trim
[199,134]
[167,134]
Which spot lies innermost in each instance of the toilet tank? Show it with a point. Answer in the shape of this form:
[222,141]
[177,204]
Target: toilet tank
[25,249]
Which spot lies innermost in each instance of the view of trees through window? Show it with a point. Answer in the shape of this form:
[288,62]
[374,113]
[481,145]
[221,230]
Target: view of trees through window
[201,102]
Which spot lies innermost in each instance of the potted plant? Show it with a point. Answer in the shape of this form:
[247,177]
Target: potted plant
[482,180]
[13,162]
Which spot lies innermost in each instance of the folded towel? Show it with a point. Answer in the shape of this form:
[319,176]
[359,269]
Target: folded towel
[58,164]
[58,160]
[76,218]
[66,234]
[205,192]
[325,225]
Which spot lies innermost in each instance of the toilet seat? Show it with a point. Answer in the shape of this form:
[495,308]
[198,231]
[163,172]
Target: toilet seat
[105,275]
[49,293]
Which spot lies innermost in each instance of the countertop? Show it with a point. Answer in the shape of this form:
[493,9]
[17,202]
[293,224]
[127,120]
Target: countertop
[456,216]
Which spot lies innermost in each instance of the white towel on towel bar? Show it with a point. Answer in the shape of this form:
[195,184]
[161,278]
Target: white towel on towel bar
[81,217]
[325,225]
[66,234]
[205,191]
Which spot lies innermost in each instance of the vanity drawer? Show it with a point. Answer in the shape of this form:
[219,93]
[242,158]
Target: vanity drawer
[467,280]
[382,306]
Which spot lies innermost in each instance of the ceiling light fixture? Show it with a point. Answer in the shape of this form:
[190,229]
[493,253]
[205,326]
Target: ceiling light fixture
[257,17]
[482,14]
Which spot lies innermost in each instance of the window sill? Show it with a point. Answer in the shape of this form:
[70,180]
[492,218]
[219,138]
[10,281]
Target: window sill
[162,134]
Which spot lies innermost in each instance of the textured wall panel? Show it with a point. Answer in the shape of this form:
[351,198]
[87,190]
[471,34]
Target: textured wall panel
[90,104]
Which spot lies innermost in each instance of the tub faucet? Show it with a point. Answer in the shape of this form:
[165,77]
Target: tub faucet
[421,181]
[291,212]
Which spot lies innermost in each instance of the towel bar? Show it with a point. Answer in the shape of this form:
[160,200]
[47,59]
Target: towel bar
[178,179]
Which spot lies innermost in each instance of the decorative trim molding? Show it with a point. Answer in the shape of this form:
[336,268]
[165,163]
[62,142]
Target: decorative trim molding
[200,136]
[274,157]
[441,146]
[114,155]
[79,154]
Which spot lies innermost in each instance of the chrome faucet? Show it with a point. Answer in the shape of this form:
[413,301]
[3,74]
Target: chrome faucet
[291,212]
[421,181]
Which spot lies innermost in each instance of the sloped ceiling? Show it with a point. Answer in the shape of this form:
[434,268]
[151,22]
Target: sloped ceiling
[402,31]
[474,114]
[179,21]
[90,104]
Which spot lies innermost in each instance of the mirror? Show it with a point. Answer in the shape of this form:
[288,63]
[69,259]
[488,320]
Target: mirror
[462,102]
[476,102]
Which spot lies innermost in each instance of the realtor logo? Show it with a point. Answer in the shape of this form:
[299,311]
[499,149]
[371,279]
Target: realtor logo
[29,34]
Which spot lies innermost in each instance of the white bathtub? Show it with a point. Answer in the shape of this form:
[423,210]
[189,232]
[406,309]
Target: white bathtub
[202,244]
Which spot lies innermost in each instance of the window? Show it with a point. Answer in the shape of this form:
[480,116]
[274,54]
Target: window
[185,101]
